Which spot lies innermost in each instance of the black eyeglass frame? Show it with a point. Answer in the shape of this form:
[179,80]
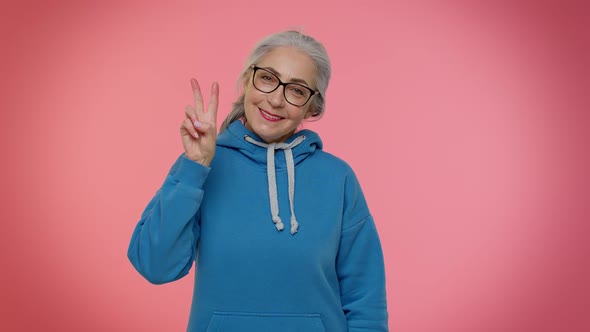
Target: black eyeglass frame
[255,68]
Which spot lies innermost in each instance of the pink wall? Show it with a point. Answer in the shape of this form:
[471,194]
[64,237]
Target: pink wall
[467,126]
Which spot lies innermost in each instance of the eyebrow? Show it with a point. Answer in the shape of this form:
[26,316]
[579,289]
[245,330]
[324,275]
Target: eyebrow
[293,80]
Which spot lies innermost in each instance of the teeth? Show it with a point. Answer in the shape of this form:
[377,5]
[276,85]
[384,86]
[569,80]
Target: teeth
[274,117]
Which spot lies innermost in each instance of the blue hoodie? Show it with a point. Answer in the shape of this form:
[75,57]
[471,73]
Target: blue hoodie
[304,256]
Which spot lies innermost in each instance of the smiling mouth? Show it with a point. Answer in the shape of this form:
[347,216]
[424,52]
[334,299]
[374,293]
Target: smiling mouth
[268,116]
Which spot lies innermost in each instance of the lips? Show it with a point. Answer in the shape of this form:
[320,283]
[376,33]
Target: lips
[269,117]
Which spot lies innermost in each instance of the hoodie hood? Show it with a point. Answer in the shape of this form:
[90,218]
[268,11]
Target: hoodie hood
[294,150]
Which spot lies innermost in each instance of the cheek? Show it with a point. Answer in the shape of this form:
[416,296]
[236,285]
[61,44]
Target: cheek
[303,112]
[252,97]
[296,114]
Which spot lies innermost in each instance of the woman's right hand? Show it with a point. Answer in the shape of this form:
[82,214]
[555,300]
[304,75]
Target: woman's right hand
[199,129]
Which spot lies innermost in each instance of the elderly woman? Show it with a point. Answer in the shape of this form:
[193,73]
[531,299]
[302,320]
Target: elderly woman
[279,230]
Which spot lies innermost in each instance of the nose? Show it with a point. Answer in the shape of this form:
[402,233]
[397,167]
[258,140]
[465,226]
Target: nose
[277,98]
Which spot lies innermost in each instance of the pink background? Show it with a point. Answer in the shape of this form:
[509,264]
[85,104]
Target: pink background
[467,125]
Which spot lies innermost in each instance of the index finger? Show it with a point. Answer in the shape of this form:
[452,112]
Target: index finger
[198,98]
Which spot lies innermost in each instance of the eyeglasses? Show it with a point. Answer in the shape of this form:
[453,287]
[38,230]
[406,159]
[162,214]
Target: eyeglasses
[267,82]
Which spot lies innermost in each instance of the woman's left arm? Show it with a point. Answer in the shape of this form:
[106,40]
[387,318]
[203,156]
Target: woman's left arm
[360,265]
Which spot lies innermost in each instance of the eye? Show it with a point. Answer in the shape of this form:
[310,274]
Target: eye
[266,77]
[297,91]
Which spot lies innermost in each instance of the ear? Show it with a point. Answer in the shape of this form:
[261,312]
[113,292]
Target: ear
[245,79]
[311,112]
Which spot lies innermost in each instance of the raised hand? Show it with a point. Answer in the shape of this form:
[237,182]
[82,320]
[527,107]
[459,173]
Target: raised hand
[199,129]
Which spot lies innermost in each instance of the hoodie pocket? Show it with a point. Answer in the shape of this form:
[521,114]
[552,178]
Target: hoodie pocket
[247,322]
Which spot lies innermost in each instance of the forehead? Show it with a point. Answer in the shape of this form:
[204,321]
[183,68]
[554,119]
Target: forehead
[290,63]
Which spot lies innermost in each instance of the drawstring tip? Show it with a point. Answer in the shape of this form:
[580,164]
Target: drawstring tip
[278,223]
[294,226]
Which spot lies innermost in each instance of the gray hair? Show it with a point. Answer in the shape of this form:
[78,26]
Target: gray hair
[314,49]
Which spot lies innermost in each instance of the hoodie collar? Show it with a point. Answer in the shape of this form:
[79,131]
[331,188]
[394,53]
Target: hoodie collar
[233,137]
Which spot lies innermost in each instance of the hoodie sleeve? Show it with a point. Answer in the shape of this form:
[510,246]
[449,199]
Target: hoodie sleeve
[360,265]
[164,243]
